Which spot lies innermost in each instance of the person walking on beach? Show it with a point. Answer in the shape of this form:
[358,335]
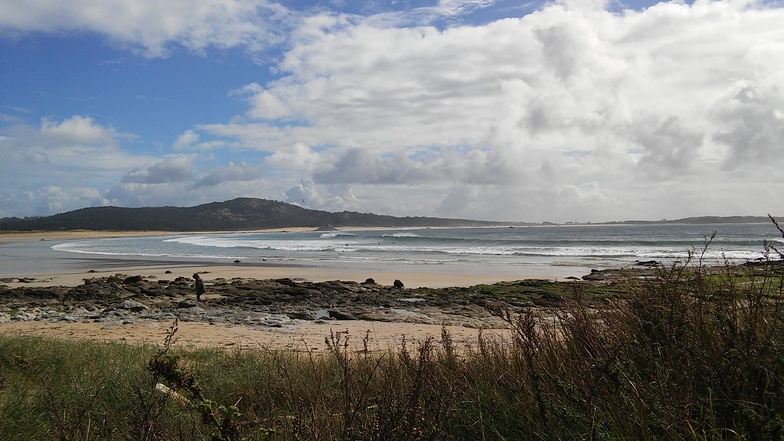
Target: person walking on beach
[199,287]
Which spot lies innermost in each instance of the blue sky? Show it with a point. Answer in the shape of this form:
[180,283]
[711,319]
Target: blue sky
[574,110]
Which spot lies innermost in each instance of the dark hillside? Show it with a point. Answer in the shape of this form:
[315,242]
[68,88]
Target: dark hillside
[237,214]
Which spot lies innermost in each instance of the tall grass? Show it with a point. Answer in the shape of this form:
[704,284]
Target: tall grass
[692,353]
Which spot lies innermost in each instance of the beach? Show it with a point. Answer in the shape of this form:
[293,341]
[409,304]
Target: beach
[289,288]
[28,255]
[28,262]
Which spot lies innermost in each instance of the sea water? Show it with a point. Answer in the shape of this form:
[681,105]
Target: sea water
[519,247]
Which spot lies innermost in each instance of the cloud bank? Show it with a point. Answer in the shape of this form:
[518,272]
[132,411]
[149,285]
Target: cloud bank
[571,112]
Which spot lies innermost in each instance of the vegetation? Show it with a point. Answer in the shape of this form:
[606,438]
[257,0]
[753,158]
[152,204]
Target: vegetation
[692,353]
[237,214]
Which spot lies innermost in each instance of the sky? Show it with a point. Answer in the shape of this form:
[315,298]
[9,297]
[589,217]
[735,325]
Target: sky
[556,111]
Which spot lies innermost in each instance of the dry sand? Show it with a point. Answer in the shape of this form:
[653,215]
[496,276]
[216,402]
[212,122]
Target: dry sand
[300,338]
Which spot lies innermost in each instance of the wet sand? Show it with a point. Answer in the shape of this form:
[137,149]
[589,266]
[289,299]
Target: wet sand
[28,255]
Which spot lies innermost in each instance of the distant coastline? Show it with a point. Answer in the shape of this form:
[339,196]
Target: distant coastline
[249,214]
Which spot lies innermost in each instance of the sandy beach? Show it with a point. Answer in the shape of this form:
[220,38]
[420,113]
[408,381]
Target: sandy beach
[28,261]
[305,337]
[28,255]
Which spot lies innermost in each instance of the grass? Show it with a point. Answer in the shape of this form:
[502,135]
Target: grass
[692,353]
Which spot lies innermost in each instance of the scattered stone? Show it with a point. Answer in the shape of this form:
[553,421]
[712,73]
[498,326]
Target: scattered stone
[274,302]
[302,315]
[133,305]
[187,303]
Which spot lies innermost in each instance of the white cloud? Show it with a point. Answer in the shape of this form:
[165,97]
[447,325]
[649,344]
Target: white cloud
[77,143]
[322,197]
[186,140]
[49,199]
[571,112]
[171,169]
[154,26]
[299,158]
[59,165]
[77,129]
[607,101]
[232,173]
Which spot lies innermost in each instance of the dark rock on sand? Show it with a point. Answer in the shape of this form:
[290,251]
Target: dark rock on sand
[595,275]
[280,302]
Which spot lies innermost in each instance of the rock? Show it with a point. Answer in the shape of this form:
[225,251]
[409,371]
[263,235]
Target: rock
[595,275]
[647,263]
[339,315]
[187,303]
[302,315]
[133,305]
[397,284]
[369,281]
[132,280]
[548,300]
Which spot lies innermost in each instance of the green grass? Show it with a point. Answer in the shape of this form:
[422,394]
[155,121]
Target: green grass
[691,353]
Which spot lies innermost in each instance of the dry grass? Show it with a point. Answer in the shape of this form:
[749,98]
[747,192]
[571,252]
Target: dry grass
[690,354]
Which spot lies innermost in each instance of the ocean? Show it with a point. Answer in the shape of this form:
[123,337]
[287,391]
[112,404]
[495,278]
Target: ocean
[540,249]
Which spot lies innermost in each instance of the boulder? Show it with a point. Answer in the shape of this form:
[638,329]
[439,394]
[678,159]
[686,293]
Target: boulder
[132,280]
[187,303]
[339,315]
[595,275]
[133,306]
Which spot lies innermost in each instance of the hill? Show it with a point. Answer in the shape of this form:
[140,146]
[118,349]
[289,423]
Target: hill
[234,215]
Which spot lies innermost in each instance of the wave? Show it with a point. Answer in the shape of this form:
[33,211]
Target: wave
[402,235]
[336,234]
[441,246]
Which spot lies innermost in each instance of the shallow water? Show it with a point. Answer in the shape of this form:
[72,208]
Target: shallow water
[527,250]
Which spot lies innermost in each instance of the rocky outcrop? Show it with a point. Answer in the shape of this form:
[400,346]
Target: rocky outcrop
[278,302]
